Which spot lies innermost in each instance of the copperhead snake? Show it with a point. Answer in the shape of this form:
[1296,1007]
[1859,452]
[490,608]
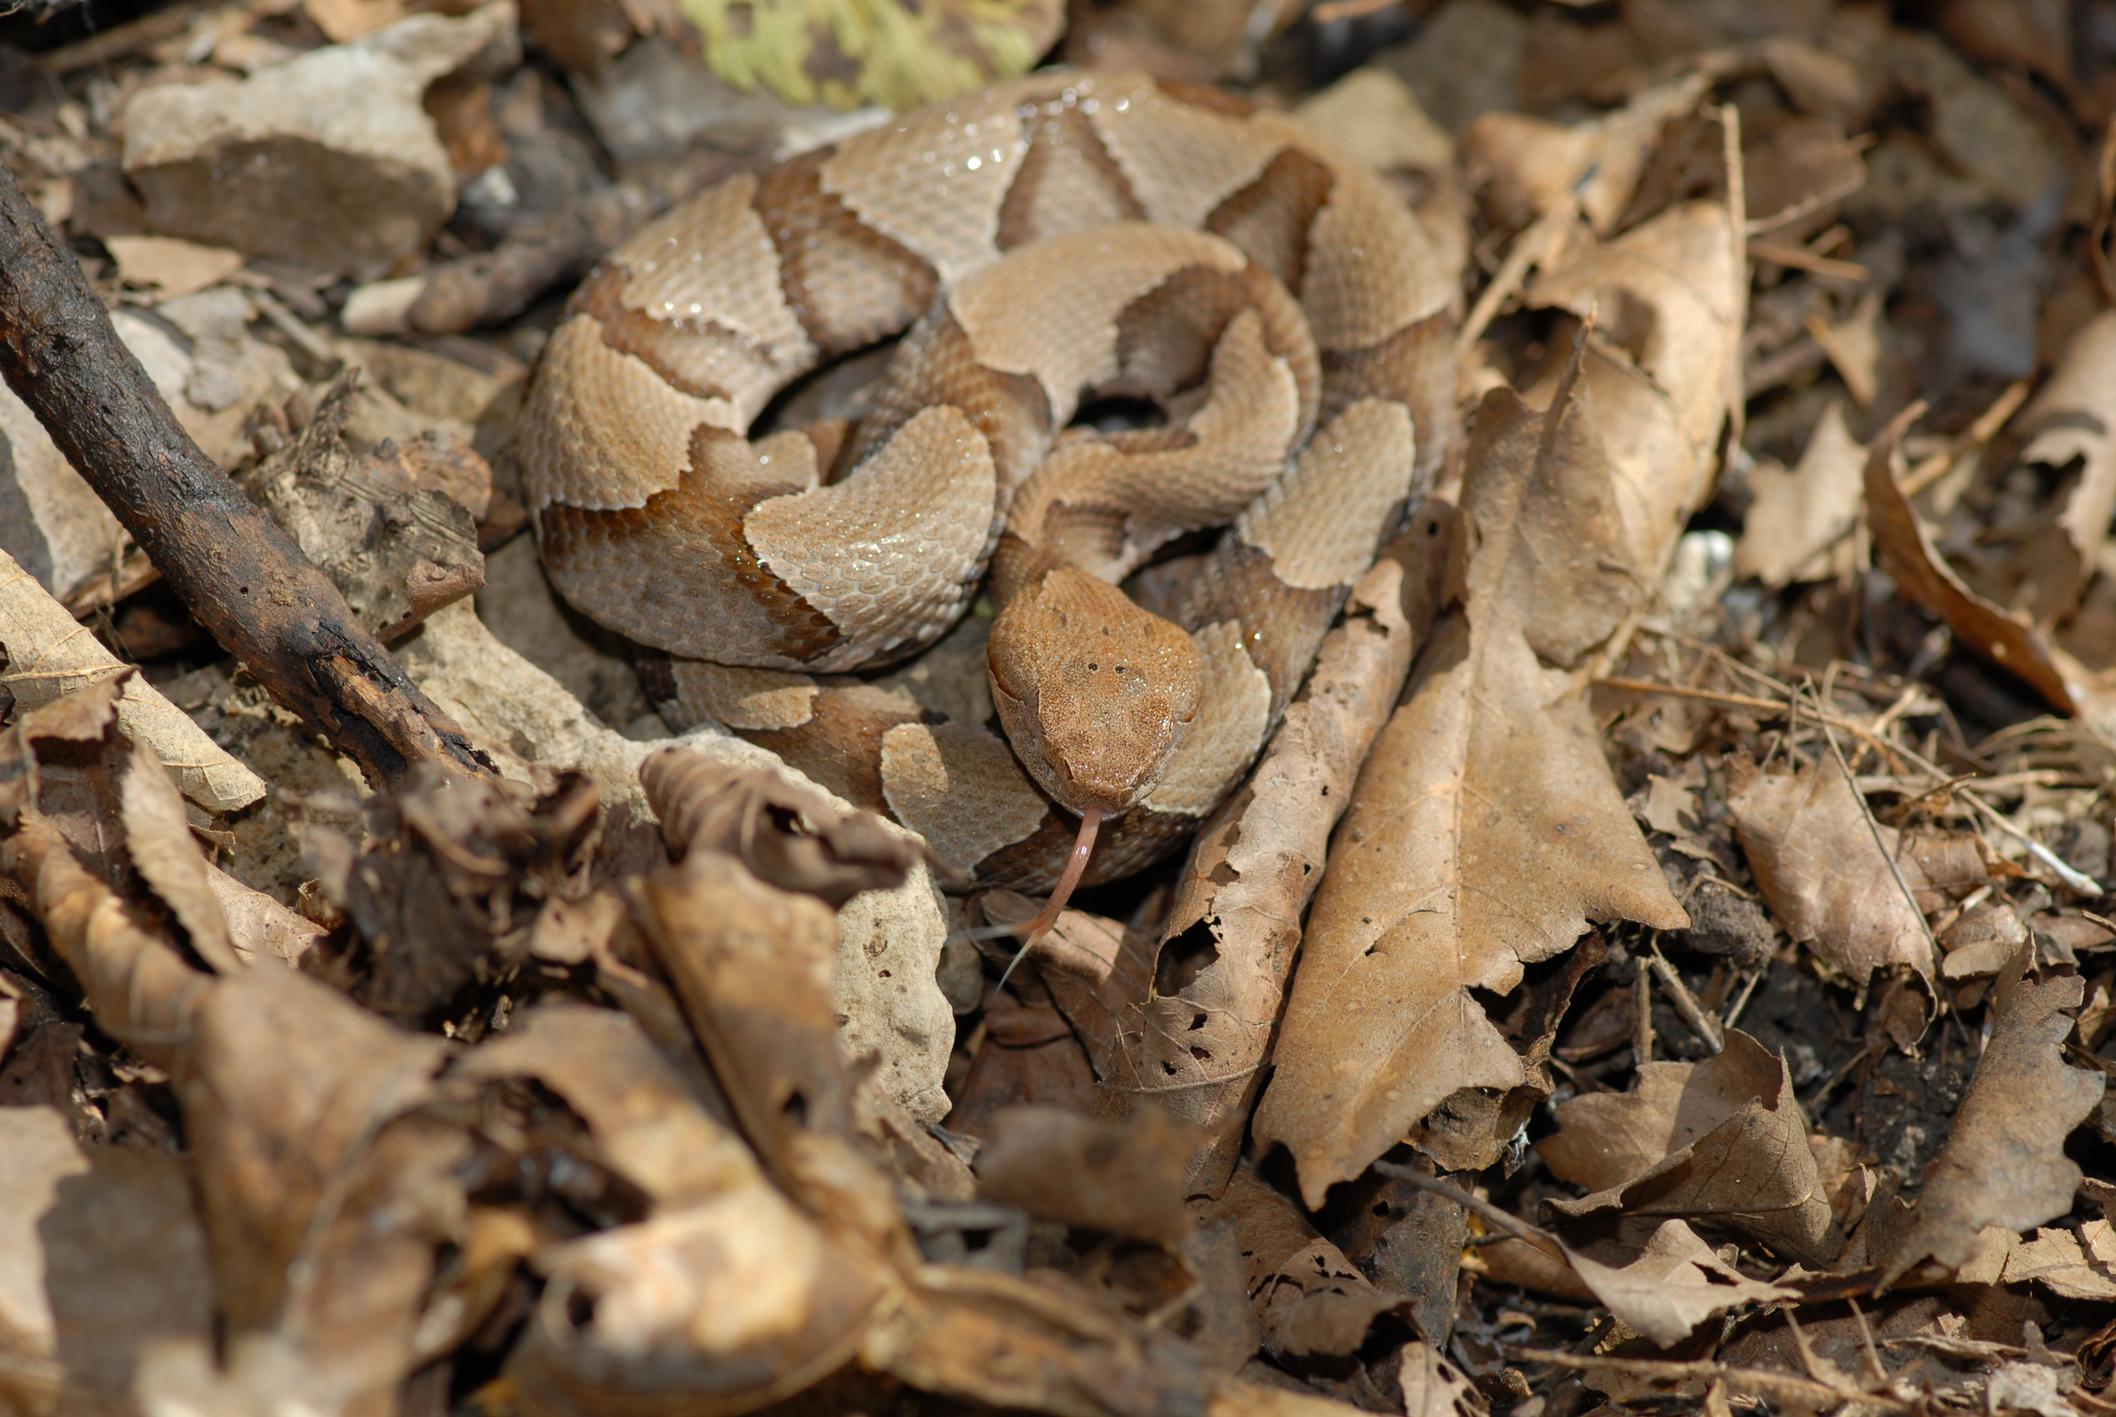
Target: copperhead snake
[1060,239]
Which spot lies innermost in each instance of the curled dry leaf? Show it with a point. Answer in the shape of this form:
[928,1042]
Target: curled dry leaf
[789,834]
[1668,1285]
[140,989]
[450,881]
[328,1195]
[1312,1303]
[1124,1177]
[1196,1037]
[158,842]
[1529,166]
[723,1295]
[1798,527]
[100,1258]
[1722,1142]
[1485,830]
[752,966]
[1665,303]
[757,840]
[50,655]
[2072,1264]
[1830,874]
[2003,1162]
[1909,557]
[2068,429]
[645,1121]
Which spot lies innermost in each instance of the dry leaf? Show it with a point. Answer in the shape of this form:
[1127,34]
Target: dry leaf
[1827,877]
[1908,555]
[1485,830]
[1668,1287]
[141,990]
[1721,1142]
[1194,1037]
[169,265]
[1124,1177]
[328,1198]
[791,835]
[752,965]
[2003,1162]
[100,1258]
[2067,429]
[50,655]
[1311,1302]
[1799,526]
[450,881]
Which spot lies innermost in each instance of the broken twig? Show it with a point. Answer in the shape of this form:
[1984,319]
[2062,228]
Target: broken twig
[235,570]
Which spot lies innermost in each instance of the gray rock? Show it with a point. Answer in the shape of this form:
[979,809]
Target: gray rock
[327,160]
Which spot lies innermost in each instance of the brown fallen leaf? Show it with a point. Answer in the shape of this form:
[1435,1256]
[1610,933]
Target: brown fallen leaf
[101,1258]
[1906,552]
[1722,1142]
[1312,1303]
[791,835]
[328,1195]
[1485,830]
[1527,165]
[1799,526]
[752,966]
[140,989]
[2003,1162]
[1123,1177]
[722,1292]
[1195,1038]
[1047,1346]
[1669,1284]
[2072,1264]
[447,886]
[1831,877]
[51,657]
[721,1305]
[1665,304]
[1472,1127]
[2067,431]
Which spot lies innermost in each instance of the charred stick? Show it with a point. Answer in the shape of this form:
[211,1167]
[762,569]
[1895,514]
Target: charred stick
[237,572]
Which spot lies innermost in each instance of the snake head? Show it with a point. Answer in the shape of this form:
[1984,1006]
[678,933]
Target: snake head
[1094,692]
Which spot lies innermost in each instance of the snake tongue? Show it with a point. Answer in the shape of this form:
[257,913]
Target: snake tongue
[1068,882]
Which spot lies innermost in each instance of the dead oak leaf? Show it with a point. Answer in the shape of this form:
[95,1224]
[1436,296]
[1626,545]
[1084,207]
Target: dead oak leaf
[1798,527]
[1824,874]
[2003,1162]
[1485,831]
[1722,1141]
[1906,552]
[1122,1177]
[1669,1286]
[2067,427]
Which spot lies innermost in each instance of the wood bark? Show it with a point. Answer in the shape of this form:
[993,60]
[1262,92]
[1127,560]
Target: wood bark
[238,573]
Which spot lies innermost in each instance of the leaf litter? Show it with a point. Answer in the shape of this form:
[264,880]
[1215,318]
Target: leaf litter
[1662,963]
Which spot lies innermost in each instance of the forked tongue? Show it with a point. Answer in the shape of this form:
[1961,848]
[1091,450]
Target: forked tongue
[1068,881]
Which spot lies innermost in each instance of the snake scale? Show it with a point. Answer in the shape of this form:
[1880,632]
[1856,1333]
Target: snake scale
[1053,242]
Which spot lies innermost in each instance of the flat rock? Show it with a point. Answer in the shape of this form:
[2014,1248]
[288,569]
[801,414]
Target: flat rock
[327,160]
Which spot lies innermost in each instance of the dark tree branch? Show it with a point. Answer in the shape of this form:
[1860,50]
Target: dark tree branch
[238,573]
